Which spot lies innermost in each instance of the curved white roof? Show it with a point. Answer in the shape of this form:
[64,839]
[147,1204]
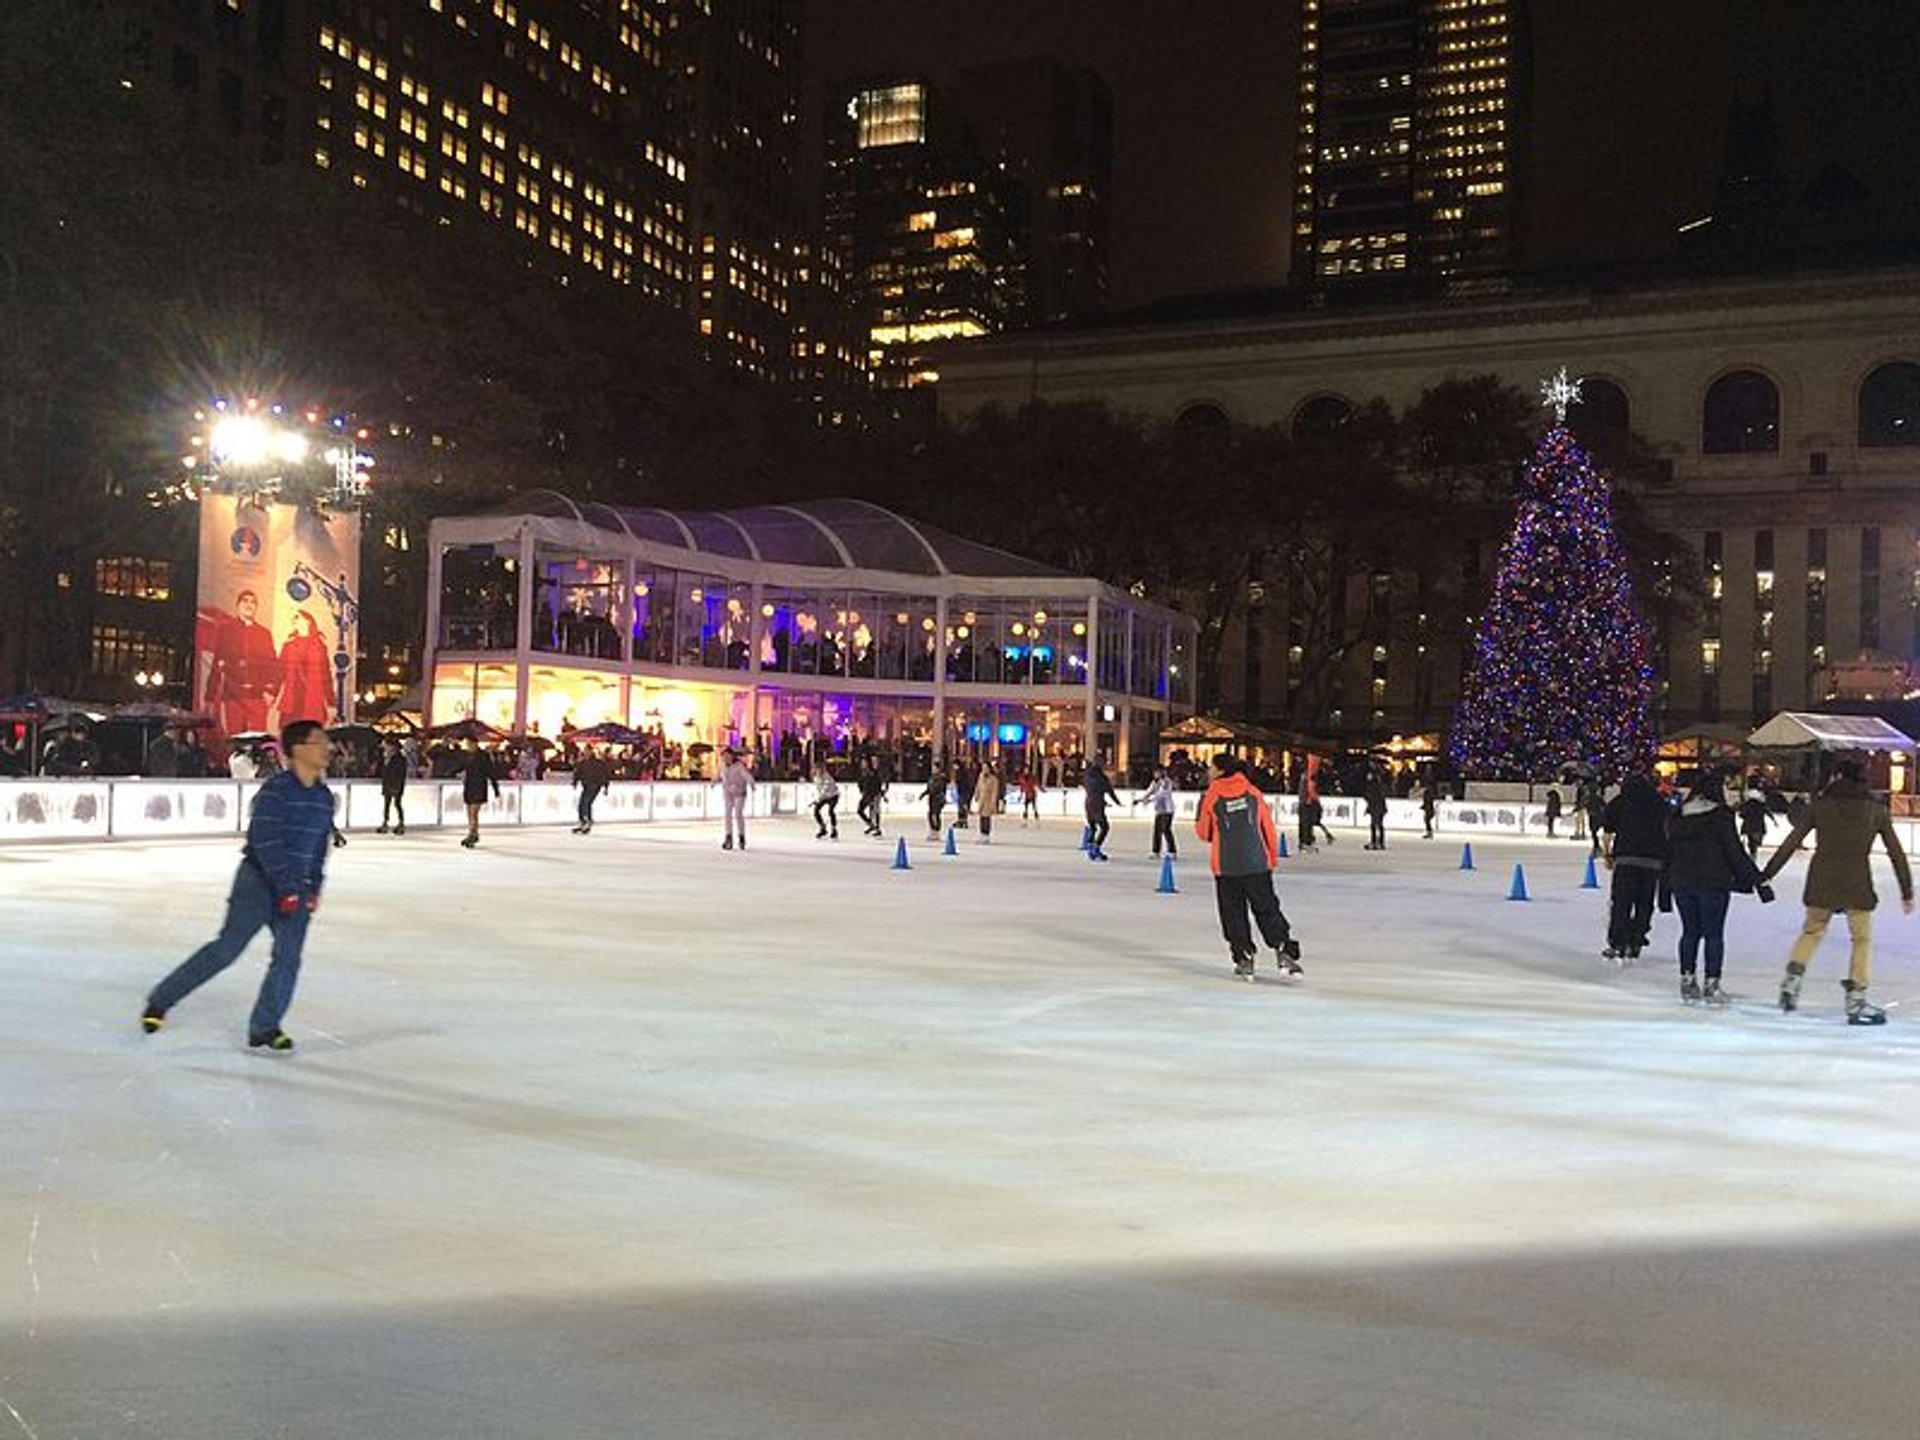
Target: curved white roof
[828,534]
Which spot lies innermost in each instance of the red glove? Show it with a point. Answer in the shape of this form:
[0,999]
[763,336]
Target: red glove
[287,904]
[313,902]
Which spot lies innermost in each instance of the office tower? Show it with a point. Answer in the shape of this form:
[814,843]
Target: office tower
[1412,123]
[1054,124]
[930,231]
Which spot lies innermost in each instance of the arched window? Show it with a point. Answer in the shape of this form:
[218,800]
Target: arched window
[1890,405]
[1320,417]
[1601,418]
[1741,416]
[1201,418]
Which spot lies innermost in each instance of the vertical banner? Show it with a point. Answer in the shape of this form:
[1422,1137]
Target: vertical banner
[278,622]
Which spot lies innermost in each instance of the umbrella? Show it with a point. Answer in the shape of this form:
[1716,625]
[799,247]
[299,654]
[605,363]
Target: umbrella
[353,732]
[610,733]
[32,708]
[159,712]
[467,730]
[699,747]
[538,742]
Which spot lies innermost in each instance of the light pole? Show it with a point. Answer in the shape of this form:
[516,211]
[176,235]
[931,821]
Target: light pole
[345,610]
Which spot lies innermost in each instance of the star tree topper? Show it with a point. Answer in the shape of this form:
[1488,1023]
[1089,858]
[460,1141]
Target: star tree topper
[1558,392]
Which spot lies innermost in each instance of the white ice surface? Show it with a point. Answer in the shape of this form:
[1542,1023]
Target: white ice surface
[624,1136]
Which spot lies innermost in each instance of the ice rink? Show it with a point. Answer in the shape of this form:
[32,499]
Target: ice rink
[623,1136]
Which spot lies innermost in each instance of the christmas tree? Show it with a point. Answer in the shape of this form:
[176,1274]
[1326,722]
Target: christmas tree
[1561,671]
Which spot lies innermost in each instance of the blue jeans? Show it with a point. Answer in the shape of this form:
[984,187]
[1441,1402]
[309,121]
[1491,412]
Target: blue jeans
[1703,916]
[249,910]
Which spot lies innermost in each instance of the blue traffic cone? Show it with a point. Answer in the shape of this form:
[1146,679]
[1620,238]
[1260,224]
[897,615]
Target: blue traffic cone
[950,848]
[1166,885]
[1518,890]
[1592,882]
[900,856]
[1282,851]
[1466,857]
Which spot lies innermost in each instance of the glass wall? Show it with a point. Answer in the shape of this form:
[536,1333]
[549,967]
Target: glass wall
[1111,664]
[1151,642]
[578,605]
[479,598]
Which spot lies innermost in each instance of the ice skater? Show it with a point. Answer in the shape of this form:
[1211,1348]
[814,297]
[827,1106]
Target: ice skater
[277,887]
[393,790]
[1429,805]
[1705,866]
[873,791]
[1237,826]
[938,787]
[1029,797]
[1099,790]
[736,783]
[1635,850]
[826,804]
[1160,795]
[1375,796]
[1753,821]
[986,798]
[1553,811]
[591,774]
[1846,819]
[478,777]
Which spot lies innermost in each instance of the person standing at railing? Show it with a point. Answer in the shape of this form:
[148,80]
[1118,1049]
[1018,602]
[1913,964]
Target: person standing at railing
[736,783]
[393,789]
[477,777]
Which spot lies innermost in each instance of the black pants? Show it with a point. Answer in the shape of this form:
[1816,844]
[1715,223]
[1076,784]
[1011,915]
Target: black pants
[393,808]
[934,807]
[1239,894]
[1427,817]
[1377,831]
[1098,828]
[1163,830]
[588,794]
[830,825]
[1631,919]
[986,823]
[869,812]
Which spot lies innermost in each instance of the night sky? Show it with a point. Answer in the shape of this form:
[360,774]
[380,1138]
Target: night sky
[1630,106]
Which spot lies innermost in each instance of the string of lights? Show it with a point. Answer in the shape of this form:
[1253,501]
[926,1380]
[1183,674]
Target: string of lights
[1561,673]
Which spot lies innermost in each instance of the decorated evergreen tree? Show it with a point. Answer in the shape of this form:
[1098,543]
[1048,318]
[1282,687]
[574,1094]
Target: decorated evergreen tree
[1561,671]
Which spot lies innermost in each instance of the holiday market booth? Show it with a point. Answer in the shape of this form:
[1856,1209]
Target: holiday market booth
[1801,744]
[789,630]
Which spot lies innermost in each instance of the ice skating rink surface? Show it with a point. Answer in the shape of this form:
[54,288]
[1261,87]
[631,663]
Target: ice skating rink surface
[626,1137]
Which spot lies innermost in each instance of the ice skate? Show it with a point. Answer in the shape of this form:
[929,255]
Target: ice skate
[1689,990]
[275,1040]
[1714,996]
[470,842]
[1243,968]
[1790,988]
[1860,1010]
[381,831]
[153,1019]
[727,844]
[1287,956]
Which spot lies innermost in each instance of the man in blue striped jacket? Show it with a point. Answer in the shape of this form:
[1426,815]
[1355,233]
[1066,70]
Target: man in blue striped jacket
[277,887]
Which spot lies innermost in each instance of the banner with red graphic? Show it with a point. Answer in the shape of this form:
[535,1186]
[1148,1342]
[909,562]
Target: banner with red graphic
[279,615]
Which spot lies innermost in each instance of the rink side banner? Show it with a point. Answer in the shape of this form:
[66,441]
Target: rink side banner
[278,622]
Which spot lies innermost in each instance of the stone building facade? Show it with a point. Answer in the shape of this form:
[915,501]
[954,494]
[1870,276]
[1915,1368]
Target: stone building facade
[1783,413]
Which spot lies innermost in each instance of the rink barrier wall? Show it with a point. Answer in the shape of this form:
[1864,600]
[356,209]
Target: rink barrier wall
[120,809]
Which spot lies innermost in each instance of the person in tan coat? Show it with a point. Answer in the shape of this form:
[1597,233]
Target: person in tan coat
[986,798]
[1846,819]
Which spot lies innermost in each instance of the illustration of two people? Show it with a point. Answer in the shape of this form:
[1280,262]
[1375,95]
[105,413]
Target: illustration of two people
[251,686]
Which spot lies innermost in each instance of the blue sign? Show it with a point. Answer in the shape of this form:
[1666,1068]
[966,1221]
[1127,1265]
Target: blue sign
[979,731]
[1013,734]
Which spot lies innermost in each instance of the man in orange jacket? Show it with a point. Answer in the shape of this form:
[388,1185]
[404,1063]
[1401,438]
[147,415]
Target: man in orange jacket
[1236,824]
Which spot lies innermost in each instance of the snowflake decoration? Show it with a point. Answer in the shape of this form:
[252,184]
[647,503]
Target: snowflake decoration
[1558,393]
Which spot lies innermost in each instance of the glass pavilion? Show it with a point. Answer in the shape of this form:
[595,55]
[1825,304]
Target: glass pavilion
[834,621]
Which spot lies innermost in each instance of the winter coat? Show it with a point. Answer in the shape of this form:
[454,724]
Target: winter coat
[1237,826]
[1637,820]
[478,777]
[1706,853]
[1376,797]
[592,773]
[735,780]
[1847,820]
[1099,790]
[825,787]
[393,776]
[1160,795]
[986,793]
[1553,804]
[1753,816]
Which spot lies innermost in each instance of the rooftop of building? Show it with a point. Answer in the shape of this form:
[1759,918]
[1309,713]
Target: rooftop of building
[841,534]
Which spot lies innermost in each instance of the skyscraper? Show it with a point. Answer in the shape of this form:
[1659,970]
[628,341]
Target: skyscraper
[930,230]
[1412,120]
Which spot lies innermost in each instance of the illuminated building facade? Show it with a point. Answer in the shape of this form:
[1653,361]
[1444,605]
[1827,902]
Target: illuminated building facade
[930,232]
[743,59]
[826,621]
[1412,117]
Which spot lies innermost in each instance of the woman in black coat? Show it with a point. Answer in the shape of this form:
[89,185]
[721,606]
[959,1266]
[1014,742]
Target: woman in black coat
[478,777]
[1706,863]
